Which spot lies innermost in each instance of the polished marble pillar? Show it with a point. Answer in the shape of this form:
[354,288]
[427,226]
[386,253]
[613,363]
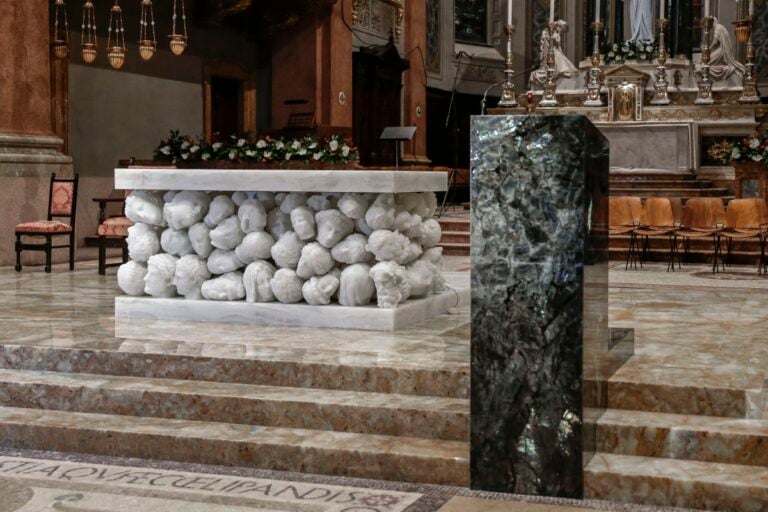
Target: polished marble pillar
[539,298]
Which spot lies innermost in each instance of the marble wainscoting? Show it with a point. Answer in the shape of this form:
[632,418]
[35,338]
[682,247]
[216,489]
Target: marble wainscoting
[539,291]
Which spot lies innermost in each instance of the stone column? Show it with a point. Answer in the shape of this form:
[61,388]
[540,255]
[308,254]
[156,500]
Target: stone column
[29,150]
[539,298]
[415,86]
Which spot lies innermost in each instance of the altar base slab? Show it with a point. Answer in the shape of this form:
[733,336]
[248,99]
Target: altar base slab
[370,318]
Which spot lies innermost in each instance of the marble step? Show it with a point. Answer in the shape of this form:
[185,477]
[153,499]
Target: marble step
[669,192]
[431,367]
[455,237]
[660,184]
[657,175]
[455,248]
[656,385]
[316,409]
[404,459]
[452,224]
[677,483]
[675,436]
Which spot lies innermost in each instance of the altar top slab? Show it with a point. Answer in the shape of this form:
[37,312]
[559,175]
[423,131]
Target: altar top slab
[281,180]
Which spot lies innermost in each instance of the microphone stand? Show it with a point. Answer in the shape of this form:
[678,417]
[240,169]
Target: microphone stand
[455,135]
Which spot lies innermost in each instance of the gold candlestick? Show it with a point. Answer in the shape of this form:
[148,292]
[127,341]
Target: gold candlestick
[593,98]
[549,96]
[508,99]
[661,85]
[704,96]
[749,92]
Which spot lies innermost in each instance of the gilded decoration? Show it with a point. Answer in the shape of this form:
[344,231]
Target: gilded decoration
[382,17]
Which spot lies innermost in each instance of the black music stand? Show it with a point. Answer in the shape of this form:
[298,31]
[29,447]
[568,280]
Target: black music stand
[398,134]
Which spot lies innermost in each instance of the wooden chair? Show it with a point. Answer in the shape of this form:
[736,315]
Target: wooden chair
[659,219]
[62,203]
[112,231]
[703,217]
[747,219]
[624,214]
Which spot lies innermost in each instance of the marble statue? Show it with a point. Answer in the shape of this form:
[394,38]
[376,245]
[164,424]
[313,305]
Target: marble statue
[391,281]
[176,242]
[267,199]
[168,196]
[381,214]
[332,227]
[252,215]
[221,207]
[227,234]
[352,250]
[303,222]
[161,271]
[238,197]
[434,257]
[319,202]
[130,278]
[411,253]
[432,232]
[356,288]
[563,66]
[318,291]
[363,227]
[256,279]
[286,286]
[287,250]
[227,287]
[278,223]
[223,262]
[255,246]
[722,63]
[353,205]
[191,272]
[143,206]
[421,277]
[280,197]
[430,203]
[387,245]
[405,221]
[292,201]
[186,208]
[200,238]
[142,241]
[641,20]
[315,260]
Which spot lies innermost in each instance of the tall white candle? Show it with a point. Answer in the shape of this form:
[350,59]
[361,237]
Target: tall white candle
[662,4]
[509,12]
[597,11]
[751,7]
[706,8]
[551,11]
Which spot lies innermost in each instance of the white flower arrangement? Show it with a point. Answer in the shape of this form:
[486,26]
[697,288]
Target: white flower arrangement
[618,53]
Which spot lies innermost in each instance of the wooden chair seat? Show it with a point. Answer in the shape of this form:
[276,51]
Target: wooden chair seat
[115,226]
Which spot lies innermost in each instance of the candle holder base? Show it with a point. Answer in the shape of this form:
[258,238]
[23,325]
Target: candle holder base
[595,74]
[508,96]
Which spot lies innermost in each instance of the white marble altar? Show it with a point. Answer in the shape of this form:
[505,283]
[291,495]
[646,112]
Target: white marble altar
[348,250]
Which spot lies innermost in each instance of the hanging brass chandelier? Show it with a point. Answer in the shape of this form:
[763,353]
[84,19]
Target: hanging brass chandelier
[88,34]
[179,41]
[60,30]
[116,48]
[147,37]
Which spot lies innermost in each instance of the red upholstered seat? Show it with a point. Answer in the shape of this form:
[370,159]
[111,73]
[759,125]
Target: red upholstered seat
[43,226]
[115,226]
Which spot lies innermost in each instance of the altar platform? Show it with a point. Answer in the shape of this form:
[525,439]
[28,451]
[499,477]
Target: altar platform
[686,425]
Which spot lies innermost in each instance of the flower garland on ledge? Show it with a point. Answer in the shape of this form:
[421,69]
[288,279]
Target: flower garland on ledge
[634,51]
[247,148]
[753,148]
